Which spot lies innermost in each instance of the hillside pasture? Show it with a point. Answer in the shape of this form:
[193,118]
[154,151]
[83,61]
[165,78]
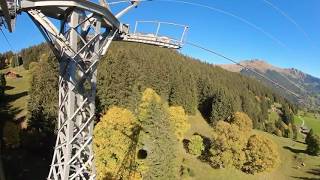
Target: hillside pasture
[295,163]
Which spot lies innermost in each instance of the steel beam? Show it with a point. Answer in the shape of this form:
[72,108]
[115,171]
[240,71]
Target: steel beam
[55,9]
[6,14]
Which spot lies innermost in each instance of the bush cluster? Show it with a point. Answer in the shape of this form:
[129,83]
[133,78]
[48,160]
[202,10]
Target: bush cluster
[233,145]
[261,155]
[196,146]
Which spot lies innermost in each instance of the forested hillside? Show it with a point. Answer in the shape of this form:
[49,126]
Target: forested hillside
[129,68]
[180,80]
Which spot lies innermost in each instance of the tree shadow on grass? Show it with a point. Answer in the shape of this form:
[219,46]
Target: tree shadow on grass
[314,172]
[305,178]
[296,151]
[7,113]
[10,98]
[301,142]
[9,88]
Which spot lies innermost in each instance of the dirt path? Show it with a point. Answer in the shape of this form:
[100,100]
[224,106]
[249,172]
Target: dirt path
[302,121]
[302,128]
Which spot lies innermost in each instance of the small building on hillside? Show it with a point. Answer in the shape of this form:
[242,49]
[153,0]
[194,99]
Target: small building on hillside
[12,74]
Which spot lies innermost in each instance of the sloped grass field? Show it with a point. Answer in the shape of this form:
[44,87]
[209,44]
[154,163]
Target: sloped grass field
[312,123]
[17,92]
[20,164]
[295,163]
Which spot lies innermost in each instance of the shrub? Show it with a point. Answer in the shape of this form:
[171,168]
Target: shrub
[178,117]
[243,121]
[196,145]
[270,127]
[261,154]
[112,141]
[227,146]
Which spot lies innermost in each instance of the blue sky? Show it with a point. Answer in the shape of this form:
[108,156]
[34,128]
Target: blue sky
[274,38]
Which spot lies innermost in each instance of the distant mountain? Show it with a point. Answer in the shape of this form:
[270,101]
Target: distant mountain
[296,81]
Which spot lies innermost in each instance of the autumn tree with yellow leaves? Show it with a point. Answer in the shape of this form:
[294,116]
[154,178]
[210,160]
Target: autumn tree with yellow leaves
[112,141]
[179,118]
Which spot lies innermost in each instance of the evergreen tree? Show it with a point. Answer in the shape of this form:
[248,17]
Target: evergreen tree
[43,102]
[157,155]
[287,115]
[118,83]
[309,136]
[13,63]
[313,143]
[221,106]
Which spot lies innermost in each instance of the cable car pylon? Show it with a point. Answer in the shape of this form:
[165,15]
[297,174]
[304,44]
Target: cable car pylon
[85,33]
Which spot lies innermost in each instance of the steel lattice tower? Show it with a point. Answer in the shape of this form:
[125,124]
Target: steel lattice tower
[78,45]
[85,33]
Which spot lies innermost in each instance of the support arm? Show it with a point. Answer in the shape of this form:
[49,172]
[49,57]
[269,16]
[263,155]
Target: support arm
[134,3]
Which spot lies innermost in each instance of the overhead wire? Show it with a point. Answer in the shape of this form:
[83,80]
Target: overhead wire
[290,19]
[269,35]
[246,67]
[8,42]
[255,27]
[222,11]
[295,23]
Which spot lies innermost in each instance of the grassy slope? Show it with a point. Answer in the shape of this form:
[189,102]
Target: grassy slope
[291,153]
[311,121]
[31,165]
[17,91]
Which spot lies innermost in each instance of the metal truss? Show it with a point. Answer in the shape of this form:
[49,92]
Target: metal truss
[84,35]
